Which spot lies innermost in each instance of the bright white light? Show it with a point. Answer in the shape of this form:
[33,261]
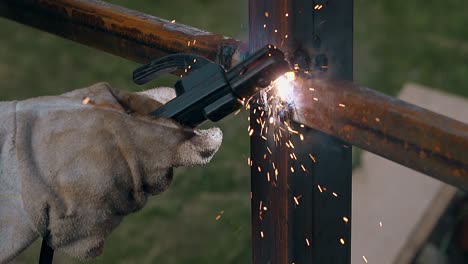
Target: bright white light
[284,86]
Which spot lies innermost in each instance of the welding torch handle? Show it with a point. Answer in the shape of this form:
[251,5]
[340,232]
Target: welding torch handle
[211,93]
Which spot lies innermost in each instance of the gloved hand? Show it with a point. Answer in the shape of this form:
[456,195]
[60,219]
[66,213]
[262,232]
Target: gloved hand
[81,161]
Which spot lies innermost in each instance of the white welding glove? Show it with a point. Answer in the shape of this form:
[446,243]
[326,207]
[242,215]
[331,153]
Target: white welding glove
[72,166]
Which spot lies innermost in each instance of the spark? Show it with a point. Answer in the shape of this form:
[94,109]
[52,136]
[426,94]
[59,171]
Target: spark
[261,234]
[312,158]
[345,219]
[303,168]
[294,156]
[219,215]
[291,130]
[264,25]
[267,14]
[265,208]
[301,137]
[307,242]
[86,100]
[320,188]
[335,194]
[318,7]
[377,119]
[342,241]
[286,15]
[342,105]
[286,36]
[365,259]
[380,224]
[296,200]
[173,21]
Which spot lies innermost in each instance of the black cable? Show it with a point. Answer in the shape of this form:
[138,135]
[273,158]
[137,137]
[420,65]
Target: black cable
[47,253]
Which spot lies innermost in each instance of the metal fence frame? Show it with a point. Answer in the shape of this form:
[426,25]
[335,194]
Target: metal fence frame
[350,114]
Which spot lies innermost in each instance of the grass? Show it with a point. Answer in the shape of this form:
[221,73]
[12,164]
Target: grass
[395,42]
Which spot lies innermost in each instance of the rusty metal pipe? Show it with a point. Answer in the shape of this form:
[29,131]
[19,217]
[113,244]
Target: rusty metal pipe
[117,30]
[409,135]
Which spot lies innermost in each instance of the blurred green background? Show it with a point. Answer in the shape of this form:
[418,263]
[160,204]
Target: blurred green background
[396,41]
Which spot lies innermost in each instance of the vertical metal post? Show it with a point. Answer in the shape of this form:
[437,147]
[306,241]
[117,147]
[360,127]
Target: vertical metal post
[301,208]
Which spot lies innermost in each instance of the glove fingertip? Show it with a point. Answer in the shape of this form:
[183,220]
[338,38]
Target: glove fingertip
[160,94]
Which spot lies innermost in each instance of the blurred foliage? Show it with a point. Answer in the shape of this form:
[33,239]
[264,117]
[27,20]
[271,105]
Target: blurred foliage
[426,42]
[395,41]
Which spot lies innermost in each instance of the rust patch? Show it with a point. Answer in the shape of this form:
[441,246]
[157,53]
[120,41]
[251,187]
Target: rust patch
[87,19]
[188,30]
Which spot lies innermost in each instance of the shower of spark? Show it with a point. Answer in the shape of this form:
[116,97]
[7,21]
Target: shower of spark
[273,109]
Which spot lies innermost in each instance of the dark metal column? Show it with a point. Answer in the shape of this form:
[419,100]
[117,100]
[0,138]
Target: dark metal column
[308,205]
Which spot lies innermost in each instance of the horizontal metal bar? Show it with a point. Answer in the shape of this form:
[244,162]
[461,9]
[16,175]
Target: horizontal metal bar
[117,30]
[409,135]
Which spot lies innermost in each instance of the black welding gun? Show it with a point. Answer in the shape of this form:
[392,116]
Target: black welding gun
[209,91]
